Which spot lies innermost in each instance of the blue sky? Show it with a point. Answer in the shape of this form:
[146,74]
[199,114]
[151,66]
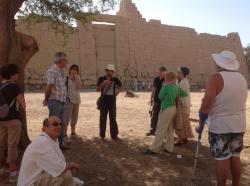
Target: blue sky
[210,16]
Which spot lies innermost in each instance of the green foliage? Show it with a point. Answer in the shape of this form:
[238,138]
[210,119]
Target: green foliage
[247,54]
[63,14]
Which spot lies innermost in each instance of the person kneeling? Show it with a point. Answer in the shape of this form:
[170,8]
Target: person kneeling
[43,162]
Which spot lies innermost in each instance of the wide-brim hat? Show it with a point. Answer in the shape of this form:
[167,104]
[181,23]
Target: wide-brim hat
[226,60]
[110,67]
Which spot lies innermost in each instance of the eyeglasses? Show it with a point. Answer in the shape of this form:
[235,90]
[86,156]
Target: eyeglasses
[56,124]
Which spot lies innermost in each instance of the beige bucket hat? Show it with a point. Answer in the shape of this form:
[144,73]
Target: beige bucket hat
[110,67]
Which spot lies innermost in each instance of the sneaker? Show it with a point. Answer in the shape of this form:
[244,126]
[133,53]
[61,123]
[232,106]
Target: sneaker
[150,134]
[13,177]
[4,172]
[116,139]
[149,152]
[78,182]
[165,150]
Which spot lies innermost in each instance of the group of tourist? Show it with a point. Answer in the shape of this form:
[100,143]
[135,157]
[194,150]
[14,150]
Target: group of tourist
[223,108]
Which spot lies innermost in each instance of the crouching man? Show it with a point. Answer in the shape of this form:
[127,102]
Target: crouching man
[43,162]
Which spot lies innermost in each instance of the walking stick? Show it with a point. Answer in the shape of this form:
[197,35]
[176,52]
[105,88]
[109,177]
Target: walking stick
[197,152]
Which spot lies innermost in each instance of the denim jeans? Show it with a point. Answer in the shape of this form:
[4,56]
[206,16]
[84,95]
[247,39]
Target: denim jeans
[56,109]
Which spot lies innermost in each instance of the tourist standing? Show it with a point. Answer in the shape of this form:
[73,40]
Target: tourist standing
[155,101]
[10,122]
[110,87]
[55,92]
[186,132]
[168,95]
[224,109]
[71,107]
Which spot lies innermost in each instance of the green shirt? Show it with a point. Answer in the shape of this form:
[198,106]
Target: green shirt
[168,95]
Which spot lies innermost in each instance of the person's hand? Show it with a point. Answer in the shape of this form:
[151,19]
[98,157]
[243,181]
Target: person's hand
[74,166]
[45,102]
[198,129]
[203,117]
[106,83]
[150,102]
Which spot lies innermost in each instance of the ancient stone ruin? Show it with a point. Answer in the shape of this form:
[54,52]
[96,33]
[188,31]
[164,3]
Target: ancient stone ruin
[137,48]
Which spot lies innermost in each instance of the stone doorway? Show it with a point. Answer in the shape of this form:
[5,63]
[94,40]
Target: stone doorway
[105,46]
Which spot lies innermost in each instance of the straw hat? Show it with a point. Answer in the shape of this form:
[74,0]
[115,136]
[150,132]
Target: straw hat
[110,67]
[226,60]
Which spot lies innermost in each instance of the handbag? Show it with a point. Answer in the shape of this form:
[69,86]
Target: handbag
[179,117]
[99,100]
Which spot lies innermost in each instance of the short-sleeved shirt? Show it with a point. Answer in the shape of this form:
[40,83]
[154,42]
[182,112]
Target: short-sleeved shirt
[55,76]
[43,154]
[73,93]
[115,84]
[10,93]
[157,85]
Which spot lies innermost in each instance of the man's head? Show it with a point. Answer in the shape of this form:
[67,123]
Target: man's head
[52,126]
[110,70]
[162,72]
[60,59]
[226,60]
[10,72]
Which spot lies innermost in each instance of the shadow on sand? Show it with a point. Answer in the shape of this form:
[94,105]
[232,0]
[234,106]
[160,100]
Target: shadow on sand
[122,162]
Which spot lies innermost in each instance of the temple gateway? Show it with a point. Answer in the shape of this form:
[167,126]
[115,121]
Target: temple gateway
[137,48]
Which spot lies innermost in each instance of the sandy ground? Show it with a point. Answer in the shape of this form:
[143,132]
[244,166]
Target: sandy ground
[109,163]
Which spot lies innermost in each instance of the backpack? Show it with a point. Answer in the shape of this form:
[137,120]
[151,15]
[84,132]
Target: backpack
[4,107]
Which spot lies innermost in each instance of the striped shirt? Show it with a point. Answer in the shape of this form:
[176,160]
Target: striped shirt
[55,76]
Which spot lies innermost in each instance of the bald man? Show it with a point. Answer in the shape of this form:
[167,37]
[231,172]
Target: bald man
[43,162]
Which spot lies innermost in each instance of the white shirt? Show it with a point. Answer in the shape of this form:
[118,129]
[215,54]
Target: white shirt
[43,154]
[73,92]
[55,76]
[228,113]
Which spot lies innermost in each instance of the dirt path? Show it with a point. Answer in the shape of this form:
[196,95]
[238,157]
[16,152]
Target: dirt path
[109,163]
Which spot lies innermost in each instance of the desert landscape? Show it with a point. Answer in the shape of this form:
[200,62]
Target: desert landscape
[122,163]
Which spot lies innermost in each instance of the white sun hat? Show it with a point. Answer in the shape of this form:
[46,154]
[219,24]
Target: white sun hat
[226,60]
[110,67]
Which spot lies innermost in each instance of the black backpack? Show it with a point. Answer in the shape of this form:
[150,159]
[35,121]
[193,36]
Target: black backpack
[4,107]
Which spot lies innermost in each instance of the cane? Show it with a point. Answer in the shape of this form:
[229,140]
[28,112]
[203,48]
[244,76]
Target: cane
[197,151]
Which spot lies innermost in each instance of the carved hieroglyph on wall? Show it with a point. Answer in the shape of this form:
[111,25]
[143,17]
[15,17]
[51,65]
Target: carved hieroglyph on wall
[137,48]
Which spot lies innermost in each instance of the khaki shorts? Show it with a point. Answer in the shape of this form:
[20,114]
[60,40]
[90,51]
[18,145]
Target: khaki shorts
[71,112]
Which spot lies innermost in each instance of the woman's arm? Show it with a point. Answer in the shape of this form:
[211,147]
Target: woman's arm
[79,84]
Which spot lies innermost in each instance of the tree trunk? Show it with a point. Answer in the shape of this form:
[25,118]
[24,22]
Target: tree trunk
[17,48]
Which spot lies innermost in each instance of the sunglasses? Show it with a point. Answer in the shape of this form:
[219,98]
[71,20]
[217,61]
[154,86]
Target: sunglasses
[56,124]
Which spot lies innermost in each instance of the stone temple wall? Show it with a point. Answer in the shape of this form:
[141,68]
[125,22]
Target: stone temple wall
[137,48]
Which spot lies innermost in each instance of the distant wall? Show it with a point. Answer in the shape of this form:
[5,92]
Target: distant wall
[137,48]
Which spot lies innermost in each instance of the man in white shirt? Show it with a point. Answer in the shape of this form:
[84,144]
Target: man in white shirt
[224,110]
[43,162]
